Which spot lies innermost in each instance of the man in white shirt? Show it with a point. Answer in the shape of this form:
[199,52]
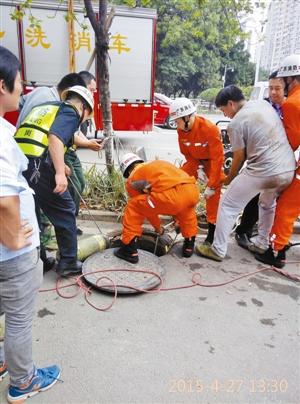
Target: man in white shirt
[20,276]
[257,136]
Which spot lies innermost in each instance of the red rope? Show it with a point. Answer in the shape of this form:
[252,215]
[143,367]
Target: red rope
[81,285]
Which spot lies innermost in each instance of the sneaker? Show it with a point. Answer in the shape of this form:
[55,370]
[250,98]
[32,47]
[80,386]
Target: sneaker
[268,257]
[242,240]
[207,252]
[69,269]
[128,252]
[42,380]
[3,371]
[188,247]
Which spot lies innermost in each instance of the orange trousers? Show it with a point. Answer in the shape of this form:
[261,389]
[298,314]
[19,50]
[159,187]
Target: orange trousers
[179,202]
[212,203]
[287,211]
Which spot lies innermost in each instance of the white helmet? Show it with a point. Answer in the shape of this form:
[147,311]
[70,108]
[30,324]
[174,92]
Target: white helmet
[290,66]
[83,92]
[126,161]
[181,107]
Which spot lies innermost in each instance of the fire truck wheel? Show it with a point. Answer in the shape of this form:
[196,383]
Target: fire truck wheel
[170,124]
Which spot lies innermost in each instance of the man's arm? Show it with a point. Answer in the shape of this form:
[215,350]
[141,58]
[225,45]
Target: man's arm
[239,156]
[81,141]
[56,150]
[14,233]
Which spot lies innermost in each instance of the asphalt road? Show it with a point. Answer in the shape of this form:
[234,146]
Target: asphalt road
[161,143]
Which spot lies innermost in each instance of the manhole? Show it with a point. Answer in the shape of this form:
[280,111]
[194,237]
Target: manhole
[126,274]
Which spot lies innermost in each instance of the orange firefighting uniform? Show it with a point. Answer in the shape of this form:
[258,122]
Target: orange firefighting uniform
[172,192]
[203,145]
[288,203]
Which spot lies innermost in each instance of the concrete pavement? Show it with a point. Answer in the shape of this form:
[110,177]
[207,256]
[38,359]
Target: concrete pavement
[237,343]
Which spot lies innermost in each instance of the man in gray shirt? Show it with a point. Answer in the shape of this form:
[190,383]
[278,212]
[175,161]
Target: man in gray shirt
[258,137]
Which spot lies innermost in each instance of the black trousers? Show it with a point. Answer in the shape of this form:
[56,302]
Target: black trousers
[249,217]
[60,209]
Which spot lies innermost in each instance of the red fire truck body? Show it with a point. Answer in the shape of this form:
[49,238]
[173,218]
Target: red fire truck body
[44,55]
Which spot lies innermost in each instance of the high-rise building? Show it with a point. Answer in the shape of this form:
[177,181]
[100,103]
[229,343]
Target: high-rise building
[282,33]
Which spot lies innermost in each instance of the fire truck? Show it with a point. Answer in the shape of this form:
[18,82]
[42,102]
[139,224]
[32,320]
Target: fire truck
[44,54]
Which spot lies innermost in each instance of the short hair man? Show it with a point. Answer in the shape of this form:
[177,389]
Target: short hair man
[156,188]
[256,133]
[288,204]
[243,232]
[20,277]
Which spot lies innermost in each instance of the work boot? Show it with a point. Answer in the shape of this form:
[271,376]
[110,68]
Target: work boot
[79,232]
[188,247]
[269,258]
[69,268]
[242,240]
[210,234]
[128,252]
[48,264]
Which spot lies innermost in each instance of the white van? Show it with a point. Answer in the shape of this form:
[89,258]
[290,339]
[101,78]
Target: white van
[260,90]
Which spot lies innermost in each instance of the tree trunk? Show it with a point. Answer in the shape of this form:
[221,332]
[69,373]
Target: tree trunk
[101,30]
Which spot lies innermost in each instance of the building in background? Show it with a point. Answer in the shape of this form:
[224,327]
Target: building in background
[282,33]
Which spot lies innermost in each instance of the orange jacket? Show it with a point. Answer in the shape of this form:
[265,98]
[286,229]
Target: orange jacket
[159,174]
[203,142]
[291,118]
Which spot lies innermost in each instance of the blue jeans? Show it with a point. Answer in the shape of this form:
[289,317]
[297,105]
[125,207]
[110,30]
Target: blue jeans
[20,280]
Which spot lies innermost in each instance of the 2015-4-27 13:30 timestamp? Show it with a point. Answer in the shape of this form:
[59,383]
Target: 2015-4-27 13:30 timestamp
[263,385]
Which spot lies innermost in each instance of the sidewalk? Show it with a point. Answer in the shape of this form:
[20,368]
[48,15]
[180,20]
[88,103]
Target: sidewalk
[237,343]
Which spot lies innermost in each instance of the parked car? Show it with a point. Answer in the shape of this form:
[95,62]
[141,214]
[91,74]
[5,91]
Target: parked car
[161,111]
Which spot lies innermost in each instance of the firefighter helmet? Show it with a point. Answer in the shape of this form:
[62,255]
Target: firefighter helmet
[84,93]
[127,160]
[290,66]
[181,107]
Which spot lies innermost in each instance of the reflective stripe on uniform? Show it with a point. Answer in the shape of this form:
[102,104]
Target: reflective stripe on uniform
[32,136]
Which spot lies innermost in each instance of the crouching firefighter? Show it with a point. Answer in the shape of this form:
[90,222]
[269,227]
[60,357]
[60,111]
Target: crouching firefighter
[156,188]
[44,137]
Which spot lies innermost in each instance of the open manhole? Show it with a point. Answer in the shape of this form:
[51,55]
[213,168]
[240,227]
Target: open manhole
[125,275]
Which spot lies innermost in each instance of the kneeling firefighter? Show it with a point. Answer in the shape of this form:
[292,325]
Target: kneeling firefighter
[200,142]
[44,137]
[156,188]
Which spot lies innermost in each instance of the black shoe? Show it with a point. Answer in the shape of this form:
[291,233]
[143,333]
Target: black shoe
[128,252]
[48,264]
[210,234]
[79,232]
[188,247]
[268,257]
[242,240]
[69,269]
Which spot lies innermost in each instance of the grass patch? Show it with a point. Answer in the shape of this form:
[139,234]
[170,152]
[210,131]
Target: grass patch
[104,191]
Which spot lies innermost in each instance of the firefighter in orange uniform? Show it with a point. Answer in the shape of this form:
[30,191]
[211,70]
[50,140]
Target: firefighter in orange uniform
[200,143]
[156,188]
[288,204]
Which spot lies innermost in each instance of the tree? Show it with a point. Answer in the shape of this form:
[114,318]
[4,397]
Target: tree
[101,30]
[194,41]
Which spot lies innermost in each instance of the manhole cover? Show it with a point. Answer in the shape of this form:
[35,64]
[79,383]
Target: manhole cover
[126,274]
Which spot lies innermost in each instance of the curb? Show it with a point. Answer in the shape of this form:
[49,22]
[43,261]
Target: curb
[112,217]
